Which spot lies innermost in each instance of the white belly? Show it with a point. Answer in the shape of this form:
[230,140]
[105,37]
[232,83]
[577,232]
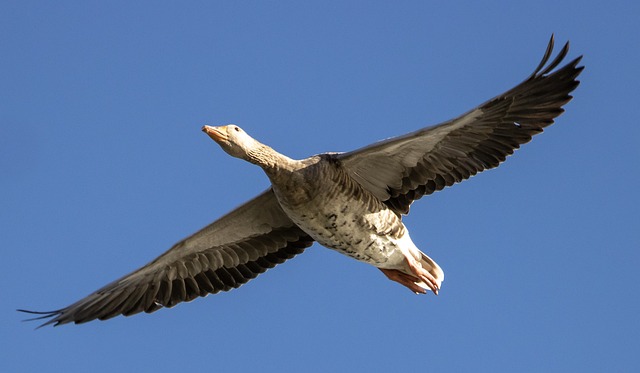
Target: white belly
[356,235]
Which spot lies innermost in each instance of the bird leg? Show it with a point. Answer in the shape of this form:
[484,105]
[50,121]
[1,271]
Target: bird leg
[421,275]
[404,279]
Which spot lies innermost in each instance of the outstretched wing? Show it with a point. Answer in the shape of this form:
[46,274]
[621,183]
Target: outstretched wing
[401,170]
[224,255]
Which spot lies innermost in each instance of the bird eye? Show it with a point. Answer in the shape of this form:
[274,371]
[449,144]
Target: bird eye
[237,128]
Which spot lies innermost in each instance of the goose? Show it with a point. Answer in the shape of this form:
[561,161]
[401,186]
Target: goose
[351,202]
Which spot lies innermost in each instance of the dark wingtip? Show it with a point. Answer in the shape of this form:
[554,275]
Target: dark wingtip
[563,53]
[545,57]
[545,67]
[43,315]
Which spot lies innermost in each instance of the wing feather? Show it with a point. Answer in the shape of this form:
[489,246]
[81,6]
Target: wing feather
[224,255]
[402,169]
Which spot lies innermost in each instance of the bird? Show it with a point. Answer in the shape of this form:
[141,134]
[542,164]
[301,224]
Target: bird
[352,202]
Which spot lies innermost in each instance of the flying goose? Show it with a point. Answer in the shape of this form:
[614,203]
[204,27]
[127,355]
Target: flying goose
[350,202]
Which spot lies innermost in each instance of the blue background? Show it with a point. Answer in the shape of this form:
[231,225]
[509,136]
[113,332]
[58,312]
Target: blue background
[103,167]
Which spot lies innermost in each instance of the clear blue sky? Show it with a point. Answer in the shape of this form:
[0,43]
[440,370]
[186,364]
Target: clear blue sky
[103,167]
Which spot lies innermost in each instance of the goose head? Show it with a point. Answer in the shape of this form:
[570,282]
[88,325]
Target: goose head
[237,143]
[233,140]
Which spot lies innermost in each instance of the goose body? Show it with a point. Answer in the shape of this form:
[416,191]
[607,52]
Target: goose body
[337,212]
[350,202]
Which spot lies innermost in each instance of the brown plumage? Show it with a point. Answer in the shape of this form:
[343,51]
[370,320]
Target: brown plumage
[351,202]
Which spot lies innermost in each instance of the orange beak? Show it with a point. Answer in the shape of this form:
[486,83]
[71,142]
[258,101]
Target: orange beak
[216,133]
